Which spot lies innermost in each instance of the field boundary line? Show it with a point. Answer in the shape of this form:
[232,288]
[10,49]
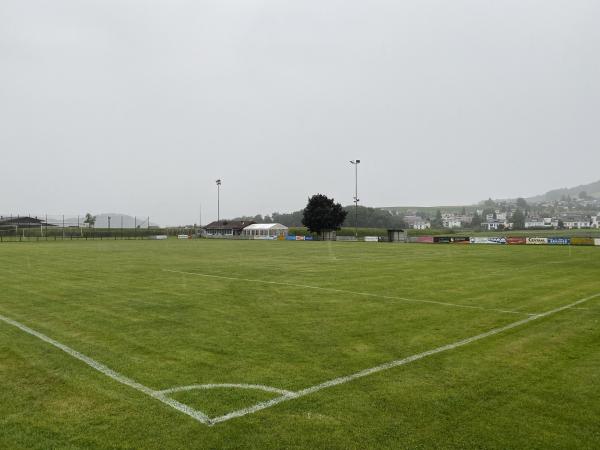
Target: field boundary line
[158,395]
[344,291]
[389,365]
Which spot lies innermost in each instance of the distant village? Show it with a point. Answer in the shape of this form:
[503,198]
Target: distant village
[567,213]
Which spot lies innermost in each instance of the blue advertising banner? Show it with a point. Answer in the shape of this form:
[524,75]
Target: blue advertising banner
[308,238]
[559,241]
[290,237]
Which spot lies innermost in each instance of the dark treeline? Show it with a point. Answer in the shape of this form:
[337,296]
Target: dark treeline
[366,218]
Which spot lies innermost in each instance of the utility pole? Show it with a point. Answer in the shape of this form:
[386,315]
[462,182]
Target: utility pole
[218,199]
[355,163]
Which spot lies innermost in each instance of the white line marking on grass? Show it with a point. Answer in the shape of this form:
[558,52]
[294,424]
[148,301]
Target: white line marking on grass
[259,387]
[344,291]
[363,373]
[286,395]
[198,415]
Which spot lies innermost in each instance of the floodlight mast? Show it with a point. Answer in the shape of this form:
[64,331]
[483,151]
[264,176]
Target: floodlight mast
[355,162]
[218,199]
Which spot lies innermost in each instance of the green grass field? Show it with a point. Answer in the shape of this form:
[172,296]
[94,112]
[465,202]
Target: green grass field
[293,316]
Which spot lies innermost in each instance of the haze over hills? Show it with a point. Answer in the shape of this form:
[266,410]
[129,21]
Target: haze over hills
[592,189]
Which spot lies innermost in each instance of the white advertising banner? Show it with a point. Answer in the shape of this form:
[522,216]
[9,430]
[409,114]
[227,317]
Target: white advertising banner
[597,241]
[487,240]
[536,241]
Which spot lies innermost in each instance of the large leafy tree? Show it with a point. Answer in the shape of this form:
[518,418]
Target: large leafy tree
[323,214]
[518,219]
[437,221]
[90,220]
[522,204]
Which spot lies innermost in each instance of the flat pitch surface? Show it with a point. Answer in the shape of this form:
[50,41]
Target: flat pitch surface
[292,316]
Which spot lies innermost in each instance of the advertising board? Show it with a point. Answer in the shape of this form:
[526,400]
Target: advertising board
[460,240]
[597,241]
[559,241]
[371,239]
[518,240]
[537,241]
[582,241]
[488,240]
[425,239]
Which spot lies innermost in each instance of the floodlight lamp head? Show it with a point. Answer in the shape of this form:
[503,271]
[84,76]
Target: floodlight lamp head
[219,182]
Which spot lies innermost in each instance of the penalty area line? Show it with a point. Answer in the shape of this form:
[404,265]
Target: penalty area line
[389,365]
[344,291]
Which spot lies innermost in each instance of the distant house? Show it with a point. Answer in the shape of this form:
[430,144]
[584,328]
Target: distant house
[546,222]
[421,225]
[534,222]
[21,222]
[416,222]
[577,222]
[496,225]
[265,230]
[226,228]
[451,223]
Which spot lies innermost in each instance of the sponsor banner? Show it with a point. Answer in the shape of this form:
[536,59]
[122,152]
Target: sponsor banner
[537,241]
[487,240]
[425,239]
[516,240]
[559,240]
[597,242]
[450,240]
[460,240]
[292,237]
[371,239]
[582,241]
[281,237]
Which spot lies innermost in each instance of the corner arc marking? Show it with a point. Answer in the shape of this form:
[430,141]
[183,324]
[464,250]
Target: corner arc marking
[258,387]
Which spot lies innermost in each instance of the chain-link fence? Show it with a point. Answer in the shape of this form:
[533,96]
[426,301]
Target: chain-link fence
[15,227]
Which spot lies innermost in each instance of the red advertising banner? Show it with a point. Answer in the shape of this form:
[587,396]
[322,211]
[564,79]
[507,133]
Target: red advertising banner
[519,240]
[425,239]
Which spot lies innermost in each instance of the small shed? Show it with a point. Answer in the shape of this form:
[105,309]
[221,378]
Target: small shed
[396,235]
[265,231]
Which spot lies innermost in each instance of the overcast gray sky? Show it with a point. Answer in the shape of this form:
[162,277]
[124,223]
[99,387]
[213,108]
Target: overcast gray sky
[139,106]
